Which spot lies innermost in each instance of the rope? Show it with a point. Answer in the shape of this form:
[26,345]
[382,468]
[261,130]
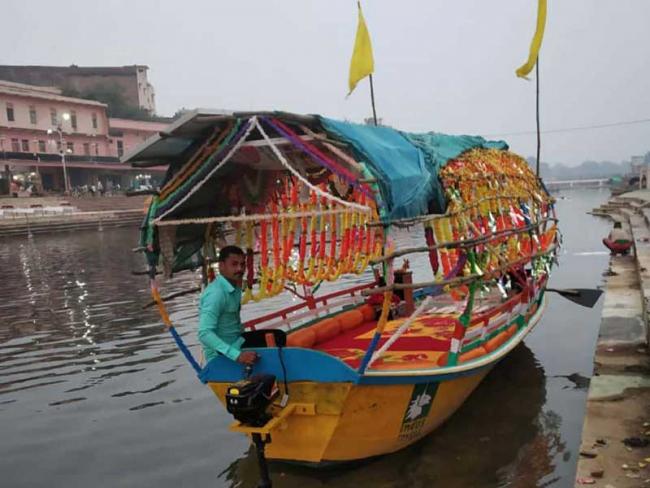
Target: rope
[315,189]
[252,122]
[328,144]
[402,328]
[318,156]
[255,217]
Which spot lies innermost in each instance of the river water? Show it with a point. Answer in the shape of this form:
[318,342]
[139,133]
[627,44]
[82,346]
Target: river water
[93,392]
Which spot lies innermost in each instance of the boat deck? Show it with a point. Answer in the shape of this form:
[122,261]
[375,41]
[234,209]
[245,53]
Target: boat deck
[427,339]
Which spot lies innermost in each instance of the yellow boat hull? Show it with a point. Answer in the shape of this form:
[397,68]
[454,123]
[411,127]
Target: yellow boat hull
[359,417]
[352,422]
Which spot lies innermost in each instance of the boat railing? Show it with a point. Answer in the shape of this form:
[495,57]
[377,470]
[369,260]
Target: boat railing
[479,328]
[318,305]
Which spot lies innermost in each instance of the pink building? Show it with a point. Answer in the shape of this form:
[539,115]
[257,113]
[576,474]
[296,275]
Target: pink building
[126,134]
[40,130]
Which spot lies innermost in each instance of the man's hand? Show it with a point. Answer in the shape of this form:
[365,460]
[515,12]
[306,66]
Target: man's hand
[247,357]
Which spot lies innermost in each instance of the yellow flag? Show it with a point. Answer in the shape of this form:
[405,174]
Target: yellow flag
[362,63]
[523,70]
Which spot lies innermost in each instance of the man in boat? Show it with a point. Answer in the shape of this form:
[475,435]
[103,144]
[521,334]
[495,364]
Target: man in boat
[618,240]
[377,299]
[220,327]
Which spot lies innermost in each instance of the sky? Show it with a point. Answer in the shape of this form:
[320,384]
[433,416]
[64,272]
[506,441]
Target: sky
[440,65]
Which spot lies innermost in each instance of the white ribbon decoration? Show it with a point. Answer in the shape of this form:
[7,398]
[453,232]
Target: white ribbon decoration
[317,190]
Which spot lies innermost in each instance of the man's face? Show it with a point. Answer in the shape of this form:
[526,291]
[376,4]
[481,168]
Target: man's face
[233,268]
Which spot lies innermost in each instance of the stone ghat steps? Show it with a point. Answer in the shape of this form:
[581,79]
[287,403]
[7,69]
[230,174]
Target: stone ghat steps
[118,202]
[71,222]
[634,213]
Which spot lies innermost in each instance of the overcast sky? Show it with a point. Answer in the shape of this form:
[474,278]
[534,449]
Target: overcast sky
[441,65]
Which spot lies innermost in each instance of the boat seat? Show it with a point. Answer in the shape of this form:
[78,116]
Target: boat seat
[264,338]
[329,328]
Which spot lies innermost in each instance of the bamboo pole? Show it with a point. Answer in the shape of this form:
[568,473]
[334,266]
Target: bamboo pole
[460,280]
[423,218]
[462,243]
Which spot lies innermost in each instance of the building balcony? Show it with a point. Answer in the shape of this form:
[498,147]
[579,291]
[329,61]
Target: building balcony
[55,157]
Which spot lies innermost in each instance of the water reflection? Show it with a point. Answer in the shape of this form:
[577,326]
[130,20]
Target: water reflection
[500,437]
[60,314]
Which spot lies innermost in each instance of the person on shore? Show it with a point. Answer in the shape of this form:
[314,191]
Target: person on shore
[100,188]
[619,240]
[220,327]
[14,188]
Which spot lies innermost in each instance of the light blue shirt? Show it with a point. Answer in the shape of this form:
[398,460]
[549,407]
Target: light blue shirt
[220,327]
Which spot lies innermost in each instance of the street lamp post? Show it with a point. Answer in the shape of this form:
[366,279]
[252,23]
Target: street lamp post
[62,151]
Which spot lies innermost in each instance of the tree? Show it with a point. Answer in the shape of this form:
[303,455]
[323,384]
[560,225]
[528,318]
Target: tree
[112,96]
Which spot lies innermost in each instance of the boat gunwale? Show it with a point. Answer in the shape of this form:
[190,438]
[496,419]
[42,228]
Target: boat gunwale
[440,373]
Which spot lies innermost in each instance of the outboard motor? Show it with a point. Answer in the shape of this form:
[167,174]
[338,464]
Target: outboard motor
[248,400]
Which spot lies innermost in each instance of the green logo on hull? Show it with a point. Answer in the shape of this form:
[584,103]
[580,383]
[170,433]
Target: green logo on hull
[418,409]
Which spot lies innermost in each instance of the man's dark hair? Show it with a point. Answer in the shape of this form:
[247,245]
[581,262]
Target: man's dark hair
[227,251]
[617,225]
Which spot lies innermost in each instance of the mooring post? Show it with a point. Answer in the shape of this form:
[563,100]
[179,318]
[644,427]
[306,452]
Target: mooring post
[406,277]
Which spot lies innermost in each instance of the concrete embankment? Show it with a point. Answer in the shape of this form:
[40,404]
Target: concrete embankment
[29,216]
[615,450]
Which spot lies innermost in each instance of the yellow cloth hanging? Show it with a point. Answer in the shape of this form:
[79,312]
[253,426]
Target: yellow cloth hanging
[535,45]
[362,63]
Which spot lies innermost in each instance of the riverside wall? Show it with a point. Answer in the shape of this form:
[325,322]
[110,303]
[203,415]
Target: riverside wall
[615,449]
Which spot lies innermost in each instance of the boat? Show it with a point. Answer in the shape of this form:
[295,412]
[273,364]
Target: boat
[369,369]
[621,247]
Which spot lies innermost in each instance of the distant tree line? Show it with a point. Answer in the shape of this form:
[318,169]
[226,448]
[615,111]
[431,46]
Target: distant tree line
[585,170]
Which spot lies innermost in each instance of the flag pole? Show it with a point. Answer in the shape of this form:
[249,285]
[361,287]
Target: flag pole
[372,100]
[539,141]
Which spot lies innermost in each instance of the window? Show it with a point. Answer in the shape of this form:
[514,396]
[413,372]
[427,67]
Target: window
[54,119]
[87,148]
[15,145]
[96,149]
[32,114]
[73,119]
[120,148]
[94,120]
[41,146]
[10,112]
[70,147]
[25,145]
[58,146]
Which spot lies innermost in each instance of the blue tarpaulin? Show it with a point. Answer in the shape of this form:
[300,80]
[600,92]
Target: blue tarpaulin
[405,164]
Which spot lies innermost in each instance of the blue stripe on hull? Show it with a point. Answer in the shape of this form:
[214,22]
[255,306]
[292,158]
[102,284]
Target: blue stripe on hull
[309,365]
